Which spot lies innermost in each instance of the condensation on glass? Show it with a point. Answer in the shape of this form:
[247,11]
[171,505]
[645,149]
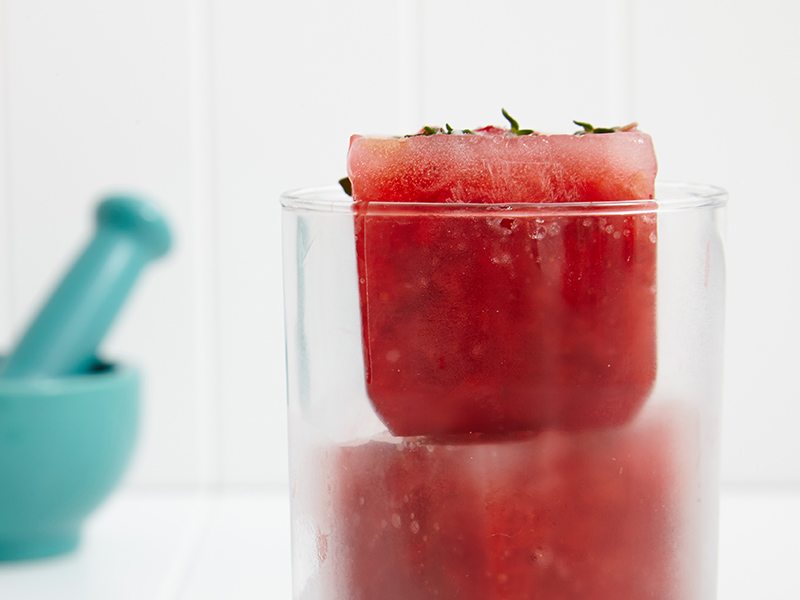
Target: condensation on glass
[552,373]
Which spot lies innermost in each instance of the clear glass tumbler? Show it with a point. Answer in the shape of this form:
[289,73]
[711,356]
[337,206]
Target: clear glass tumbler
[514,402]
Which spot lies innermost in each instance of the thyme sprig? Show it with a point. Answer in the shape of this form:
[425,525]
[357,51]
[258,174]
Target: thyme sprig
[589,128]
[447,130]
[515,125]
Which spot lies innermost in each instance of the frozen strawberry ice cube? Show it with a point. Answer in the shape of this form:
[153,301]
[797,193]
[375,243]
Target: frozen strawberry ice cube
[480,319]
[554,516]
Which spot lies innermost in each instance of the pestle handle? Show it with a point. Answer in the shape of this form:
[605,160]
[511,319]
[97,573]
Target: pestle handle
[64,336]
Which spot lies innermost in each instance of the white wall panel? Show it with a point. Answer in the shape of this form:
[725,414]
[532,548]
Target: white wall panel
[6,293]
[100,97]
[213,107]
[717,85]
[546,62]
[292,81]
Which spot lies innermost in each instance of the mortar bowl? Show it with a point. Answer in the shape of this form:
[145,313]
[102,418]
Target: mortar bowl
[64,445]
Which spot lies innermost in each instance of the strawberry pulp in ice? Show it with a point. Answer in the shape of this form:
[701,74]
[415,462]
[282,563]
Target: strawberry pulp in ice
[490,301]
[547,516]
[508,331]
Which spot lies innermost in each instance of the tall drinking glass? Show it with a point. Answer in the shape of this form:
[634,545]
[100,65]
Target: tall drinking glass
[512,402]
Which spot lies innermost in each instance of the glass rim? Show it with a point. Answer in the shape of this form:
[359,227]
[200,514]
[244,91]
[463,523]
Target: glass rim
[670,196]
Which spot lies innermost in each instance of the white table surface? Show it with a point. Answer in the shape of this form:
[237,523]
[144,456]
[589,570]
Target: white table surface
[187,545]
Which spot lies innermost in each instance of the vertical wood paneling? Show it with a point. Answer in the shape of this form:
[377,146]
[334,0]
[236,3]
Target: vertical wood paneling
[546,62]
[6,293]
[717,85]
[214,107]
[409,64]
[618,53]
[101,96]
[204,242]
[292,81]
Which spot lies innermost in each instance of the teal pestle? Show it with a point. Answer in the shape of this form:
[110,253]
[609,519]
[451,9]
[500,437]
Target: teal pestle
[63,338]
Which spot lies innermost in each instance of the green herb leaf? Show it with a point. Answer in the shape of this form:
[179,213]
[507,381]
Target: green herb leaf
[448,128]
[428,130]
[347,186]
[589,128]
[515,125]
[467,131]
[511,120]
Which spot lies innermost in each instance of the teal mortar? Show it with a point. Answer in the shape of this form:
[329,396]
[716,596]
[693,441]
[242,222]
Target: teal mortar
[68,422]
[64,444]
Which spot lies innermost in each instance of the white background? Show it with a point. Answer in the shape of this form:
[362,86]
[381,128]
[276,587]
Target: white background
[212,107]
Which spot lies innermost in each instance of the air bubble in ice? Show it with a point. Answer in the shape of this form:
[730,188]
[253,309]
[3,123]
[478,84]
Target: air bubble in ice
[539,233]
[503,225]
[542,556]
[502,259]
[510,224]
[322,547]
[414,527]
[652,237]
[396,521]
